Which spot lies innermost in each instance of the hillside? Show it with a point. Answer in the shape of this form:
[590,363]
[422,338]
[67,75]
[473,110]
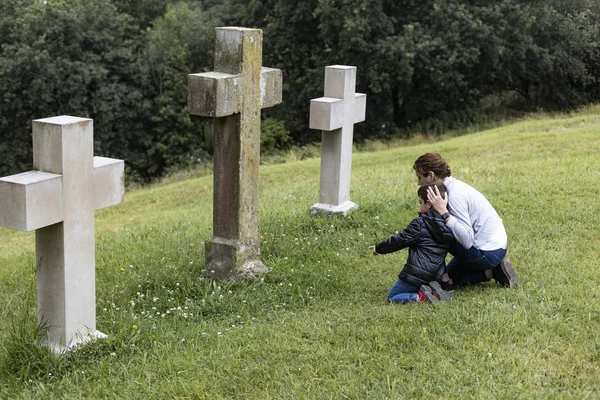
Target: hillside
[317,325]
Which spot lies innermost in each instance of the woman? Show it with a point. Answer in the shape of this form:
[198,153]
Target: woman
[481,240]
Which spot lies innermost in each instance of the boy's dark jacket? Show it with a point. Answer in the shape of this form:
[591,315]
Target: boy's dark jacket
[428,239]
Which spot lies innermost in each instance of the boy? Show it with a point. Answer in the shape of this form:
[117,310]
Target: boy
[428,241]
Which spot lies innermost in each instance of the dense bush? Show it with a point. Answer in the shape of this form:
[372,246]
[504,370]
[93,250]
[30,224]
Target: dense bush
[428,64]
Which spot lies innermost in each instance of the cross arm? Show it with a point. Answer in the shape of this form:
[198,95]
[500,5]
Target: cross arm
[360,107]
[109,182]
[214,94]
[326,113]
[271,87]
[31,200]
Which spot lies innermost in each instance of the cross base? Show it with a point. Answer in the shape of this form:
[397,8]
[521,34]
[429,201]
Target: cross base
[343,209]
[77,342]
[229,258]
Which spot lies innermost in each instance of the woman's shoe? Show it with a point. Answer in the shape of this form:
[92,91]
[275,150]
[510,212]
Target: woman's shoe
[505,274]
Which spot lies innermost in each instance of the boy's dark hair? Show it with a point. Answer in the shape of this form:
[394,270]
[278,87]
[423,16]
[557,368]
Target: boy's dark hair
[432,162]
[422,191]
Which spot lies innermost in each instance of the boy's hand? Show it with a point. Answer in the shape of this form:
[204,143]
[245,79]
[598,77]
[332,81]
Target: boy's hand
[372,249]
[439,203]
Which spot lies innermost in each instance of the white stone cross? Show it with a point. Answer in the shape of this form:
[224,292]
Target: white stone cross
[235,94]
[58,200]
[335,114]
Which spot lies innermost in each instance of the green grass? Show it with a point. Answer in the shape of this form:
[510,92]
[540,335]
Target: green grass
[317,325]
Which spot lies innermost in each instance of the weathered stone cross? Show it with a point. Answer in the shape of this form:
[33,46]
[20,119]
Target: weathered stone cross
[336,115]
[58,200]
[235,95]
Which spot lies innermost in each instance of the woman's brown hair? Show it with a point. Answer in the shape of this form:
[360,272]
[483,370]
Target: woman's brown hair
[432,162]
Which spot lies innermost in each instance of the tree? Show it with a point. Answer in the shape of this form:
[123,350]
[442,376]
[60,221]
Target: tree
[424,64]
[65,57]
[179,43]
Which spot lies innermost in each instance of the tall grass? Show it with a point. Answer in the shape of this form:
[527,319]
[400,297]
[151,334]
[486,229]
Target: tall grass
[317,325]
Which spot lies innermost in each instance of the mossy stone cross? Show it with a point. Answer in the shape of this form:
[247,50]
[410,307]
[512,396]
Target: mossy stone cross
[234,94]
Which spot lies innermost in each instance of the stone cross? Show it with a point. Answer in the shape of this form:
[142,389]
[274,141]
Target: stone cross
[335,114]
[57,200]
[234,95]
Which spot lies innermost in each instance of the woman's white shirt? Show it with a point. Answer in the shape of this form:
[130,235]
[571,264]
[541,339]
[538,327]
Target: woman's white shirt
[476,222]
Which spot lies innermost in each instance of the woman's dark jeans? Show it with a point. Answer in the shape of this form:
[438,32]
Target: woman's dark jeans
[468,265]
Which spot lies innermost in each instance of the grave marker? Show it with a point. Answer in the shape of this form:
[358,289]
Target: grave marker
[58,200]
[335,114]
[234,94]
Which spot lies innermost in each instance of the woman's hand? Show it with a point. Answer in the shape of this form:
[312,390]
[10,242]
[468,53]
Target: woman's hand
[439,203]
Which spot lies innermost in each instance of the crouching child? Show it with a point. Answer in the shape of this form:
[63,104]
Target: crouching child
[428,241]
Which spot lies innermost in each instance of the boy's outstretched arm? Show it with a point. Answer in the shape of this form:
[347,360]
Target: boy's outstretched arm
[400,240]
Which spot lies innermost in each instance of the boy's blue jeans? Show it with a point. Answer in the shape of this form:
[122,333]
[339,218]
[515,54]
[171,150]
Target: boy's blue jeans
[468,265]
[403,292]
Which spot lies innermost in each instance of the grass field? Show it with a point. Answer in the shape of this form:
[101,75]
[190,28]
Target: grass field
[317,326]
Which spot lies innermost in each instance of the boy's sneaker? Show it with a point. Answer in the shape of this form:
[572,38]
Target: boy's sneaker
[428,293]
[439,292]
[505,274]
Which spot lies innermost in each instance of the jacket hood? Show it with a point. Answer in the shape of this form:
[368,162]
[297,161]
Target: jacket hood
[437,227]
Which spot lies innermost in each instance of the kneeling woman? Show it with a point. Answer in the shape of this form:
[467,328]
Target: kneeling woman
[481,240]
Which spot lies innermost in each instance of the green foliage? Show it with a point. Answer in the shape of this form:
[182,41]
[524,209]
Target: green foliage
[143,12]
[273,136]
[438,61]
[563,75]
[429,65]
[67,57]
[179,43]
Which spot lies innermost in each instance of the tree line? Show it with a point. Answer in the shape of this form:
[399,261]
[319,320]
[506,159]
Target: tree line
[425,65]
